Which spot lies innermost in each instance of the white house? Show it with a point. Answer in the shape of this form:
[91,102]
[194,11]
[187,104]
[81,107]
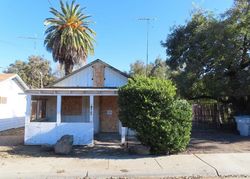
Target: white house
[12,101]
[80,104]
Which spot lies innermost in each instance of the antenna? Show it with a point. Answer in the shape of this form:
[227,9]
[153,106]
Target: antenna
[147,19]
[35,38]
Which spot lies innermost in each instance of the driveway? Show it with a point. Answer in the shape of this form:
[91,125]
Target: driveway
[216,141]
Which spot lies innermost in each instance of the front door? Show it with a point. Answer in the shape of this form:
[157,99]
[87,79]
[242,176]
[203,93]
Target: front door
[108,114]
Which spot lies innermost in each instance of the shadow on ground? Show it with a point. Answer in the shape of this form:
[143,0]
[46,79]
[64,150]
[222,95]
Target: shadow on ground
[217,141]
[105,146]
[202,141]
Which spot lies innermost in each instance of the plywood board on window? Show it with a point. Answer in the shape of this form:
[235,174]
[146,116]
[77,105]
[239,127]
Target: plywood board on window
[108,114]
[71,105]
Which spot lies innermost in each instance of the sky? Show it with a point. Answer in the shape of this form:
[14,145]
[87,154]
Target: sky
[121,37]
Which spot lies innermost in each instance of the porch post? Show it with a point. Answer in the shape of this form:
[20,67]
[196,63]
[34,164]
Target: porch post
[58,109]
[91,115]
[28,109]
[91,108]
[123,135]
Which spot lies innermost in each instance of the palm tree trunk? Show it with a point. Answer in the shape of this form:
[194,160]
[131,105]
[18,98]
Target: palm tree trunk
[68,67]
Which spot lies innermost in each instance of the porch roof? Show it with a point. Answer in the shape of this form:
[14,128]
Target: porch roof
[74,91]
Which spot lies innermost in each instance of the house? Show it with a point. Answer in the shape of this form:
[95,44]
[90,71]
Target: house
[81,104]
[12,101]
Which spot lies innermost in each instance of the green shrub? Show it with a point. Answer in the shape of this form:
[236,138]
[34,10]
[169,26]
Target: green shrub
[149,106]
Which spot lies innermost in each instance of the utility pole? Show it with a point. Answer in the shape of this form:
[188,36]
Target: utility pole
[148,23]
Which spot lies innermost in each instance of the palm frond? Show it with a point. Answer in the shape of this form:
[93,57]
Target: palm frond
[68,36]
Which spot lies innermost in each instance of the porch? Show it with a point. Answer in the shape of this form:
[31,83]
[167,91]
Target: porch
[82,112]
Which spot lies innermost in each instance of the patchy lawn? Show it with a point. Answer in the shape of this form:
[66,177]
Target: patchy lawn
[209,141]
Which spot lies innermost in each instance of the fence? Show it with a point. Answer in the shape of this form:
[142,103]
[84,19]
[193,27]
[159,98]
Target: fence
[212,116]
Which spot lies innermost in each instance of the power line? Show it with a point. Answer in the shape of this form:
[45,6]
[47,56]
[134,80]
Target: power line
[30,38]
[13,44]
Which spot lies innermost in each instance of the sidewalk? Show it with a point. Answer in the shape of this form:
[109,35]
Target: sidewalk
[207,165]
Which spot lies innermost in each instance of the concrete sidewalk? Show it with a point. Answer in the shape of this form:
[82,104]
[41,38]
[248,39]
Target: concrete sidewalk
[207,165]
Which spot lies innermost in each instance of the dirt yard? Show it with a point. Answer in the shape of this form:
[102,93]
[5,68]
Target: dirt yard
[12,137]
[210,141]
[214,141]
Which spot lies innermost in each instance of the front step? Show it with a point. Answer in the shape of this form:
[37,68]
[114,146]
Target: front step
[108,137]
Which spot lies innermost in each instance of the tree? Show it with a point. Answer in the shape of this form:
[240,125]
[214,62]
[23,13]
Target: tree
[68,36]
[210,55]
[158,69]
[138,68]
[150,107]
[36,73]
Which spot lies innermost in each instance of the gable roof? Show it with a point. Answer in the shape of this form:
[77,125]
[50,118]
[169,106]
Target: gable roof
[15,77]
[6,76]
[88,65]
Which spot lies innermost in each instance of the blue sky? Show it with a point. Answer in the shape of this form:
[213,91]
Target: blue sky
[121,38]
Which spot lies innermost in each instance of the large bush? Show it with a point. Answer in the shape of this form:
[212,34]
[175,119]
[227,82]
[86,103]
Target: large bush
[149,106]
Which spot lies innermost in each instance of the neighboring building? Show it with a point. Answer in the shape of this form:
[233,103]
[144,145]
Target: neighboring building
[81,104]
[12,101]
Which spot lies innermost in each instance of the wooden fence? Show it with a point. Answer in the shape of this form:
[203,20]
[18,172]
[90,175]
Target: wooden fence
[213,116]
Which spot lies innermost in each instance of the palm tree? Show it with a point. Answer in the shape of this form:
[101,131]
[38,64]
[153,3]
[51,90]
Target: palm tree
[68,35]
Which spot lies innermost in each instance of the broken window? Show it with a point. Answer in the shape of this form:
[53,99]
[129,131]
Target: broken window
[43,109]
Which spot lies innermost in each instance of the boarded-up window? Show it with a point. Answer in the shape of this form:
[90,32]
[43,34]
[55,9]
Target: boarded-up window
[71,105]
[3,100]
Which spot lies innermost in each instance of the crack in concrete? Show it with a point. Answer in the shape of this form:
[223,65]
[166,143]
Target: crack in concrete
[158,163]
[108,164]
[217,172]
[87,174]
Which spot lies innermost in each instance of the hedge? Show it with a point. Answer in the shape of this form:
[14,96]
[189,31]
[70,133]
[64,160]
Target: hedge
[150,107]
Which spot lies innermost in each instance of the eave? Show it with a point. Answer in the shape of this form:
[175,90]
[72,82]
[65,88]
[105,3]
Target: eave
[74,91]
